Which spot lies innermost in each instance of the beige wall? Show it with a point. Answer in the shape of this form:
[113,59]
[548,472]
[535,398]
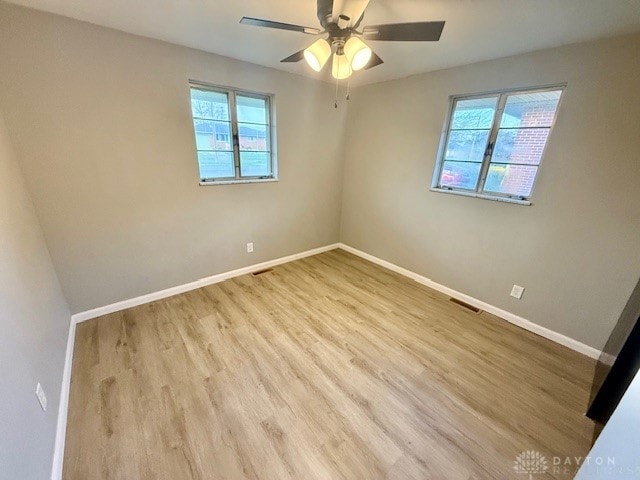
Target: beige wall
[102,121]
[576,250]
[34,322]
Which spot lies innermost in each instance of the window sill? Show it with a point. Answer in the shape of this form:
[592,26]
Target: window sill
[482,196]
[234,182]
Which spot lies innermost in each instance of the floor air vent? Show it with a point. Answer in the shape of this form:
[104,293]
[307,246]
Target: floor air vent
[465,305]
[260,272]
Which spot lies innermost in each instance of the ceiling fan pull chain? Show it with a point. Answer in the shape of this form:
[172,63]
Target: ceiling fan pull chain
[335,105]
[348,89]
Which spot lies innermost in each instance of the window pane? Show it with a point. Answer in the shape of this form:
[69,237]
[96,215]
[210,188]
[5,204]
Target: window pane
[520,145]
[466,145]
[255,164]
[460,175]
[208,104]
[252,110]
[216,164]
[475,113]
[511,179]
[253,137]
[212,135]
[530,109]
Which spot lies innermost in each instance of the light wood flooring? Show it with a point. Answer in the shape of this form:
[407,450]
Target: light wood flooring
[325,368]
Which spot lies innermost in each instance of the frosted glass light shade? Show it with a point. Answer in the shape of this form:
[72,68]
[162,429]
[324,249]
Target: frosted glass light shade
[357,52]
[318,54]
[341,68]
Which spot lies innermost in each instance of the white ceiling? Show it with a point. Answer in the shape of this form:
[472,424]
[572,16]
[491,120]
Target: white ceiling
[475,30]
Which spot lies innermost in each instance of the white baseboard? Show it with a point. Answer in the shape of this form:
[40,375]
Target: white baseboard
[203,282]
[63,408]
[61,430]
[508,316]
[607,359]
[56,473]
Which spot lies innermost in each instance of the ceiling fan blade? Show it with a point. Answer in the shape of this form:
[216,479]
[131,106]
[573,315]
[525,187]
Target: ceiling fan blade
[374,62]
[259,22]
[296,57]
[405,32]
[354,9]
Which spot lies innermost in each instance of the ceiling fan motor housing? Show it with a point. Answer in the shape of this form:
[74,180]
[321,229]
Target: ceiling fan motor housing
[343,37]
[337,34]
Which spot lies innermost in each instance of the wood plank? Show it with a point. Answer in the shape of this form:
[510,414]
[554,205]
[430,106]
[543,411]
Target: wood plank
[329,367]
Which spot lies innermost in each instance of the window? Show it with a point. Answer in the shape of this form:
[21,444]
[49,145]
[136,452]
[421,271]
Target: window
[494,143]
[233,132]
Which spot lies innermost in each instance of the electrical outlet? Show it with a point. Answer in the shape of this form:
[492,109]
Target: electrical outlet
[42,398]
[249,247]
[517,291]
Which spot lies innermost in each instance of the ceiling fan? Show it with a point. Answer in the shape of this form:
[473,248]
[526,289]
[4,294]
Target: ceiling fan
[340,20]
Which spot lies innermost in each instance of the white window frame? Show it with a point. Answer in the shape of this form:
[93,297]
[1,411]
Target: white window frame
[479,191]
[233,120]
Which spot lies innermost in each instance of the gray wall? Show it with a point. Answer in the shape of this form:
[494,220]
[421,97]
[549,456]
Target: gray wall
[102,121]
[34,322]
[576,250]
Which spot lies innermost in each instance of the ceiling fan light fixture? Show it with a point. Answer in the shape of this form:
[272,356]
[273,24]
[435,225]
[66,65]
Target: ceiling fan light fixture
[341,67]
[357,52]
[318,54]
